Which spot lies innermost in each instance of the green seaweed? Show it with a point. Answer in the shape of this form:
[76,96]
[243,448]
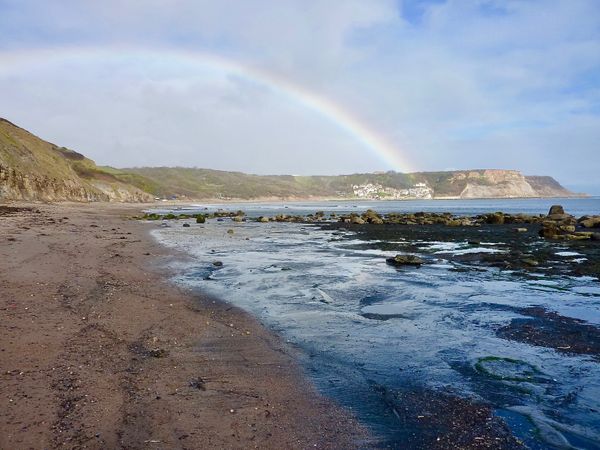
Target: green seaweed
[529,374]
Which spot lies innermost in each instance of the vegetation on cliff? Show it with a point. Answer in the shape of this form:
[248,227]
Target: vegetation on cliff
[33,169]
[205,183]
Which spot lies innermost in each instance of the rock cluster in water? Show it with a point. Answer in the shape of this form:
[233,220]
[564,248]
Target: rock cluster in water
[420,218]
[237,216]
[558,225]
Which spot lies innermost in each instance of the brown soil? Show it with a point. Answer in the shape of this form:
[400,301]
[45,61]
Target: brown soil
[98,350]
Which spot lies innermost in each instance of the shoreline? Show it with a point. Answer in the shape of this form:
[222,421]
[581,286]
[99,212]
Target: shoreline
[217,201]
[100,350]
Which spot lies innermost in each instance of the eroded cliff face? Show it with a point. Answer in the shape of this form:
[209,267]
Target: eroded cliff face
[18,186]
[120,192]
[15,185]
[506,184]
[32,169]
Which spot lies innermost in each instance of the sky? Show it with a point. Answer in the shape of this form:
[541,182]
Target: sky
[311,86]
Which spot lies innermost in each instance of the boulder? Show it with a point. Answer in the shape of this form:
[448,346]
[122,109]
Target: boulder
[567,228]
[186,225]
[549,230]
[405,260]
[495,218]
[357,220]
[561,218]
[590,222]
[263,219]
[556,209]
[530,262]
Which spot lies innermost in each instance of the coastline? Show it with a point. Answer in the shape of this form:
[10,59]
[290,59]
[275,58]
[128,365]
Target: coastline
[100,350]
[217,201]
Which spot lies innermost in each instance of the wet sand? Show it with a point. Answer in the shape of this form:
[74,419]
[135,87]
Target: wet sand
[99,350]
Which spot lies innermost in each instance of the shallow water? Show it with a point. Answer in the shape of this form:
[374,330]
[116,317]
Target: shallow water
[362,323]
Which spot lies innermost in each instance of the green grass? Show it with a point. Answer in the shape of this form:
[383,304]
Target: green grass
[30,155]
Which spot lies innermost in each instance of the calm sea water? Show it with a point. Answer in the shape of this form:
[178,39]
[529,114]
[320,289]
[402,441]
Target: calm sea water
[361,323]
[575,206]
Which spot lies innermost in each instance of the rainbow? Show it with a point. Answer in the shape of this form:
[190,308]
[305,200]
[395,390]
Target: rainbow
[13,62]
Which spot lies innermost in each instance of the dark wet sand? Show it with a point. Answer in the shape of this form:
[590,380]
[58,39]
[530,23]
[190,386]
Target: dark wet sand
[98,350]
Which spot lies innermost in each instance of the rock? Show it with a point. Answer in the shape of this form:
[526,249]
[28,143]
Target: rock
[495,219]
[530,262]
[357,220]
[218,263]
[561,218]
[186,225]
[521,230]
[405,260]
[230,231]
[567,228]
[200,219]
[198,383]
[548,231]
[158,353]
[376,220]
[581,236]
[238,219]
[371,216]
[556,209]
[263,219]
[590,222]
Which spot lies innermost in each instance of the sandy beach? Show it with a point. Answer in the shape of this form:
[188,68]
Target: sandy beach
[99,350]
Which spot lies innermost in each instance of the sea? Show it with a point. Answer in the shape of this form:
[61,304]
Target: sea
[363,327]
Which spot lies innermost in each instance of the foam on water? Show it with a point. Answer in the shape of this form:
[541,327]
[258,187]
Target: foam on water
[355,315]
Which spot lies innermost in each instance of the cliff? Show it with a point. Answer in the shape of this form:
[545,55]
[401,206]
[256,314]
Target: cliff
[494,183]
[33,169]
[206,183]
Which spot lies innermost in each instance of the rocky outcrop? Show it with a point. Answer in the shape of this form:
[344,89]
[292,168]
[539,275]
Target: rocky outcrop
[15,185]
[548,187]
[561,226]
[589,221]
[506,184]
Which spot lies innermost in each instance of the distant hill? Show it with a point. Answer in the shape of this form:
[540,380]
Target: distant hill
[33,169]
[166,182]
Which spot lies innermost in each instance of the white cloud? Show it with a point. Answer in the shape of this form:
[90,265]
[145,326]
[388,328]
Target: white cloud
[470,83]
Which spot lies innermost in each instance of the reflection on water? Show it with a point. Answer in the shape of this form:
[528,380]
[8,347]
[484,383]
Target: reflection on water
[362,323]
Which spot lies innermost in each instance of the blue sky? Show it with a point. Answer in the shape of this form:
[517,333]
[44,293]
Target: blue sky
[450,84]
